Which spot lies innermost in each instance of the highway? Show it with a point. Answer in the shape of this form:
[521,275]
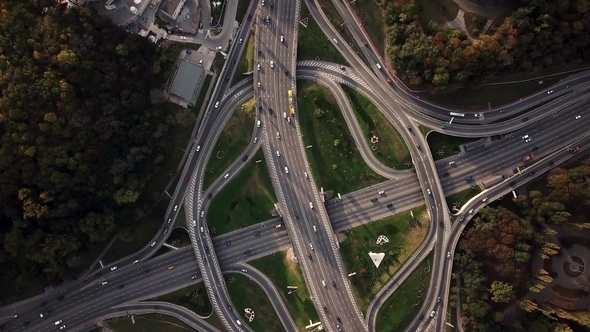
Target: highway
[551,128]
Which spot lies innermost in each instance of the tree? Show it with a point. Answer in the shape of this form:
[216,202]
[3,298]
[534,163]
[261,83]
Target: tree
[501,292]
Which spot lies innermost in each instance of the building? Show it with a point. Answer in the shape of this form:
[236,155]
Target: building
[186,81]
[172,8]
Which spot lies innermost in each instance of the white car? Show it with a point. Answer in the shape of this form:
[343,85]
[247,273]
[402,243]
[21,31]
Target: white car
[272,64]
[528,140]
[578,117]
[448,254]
[525,137]
[278,135]
[244,270]
[216,104]
[549,92]
[202,229]
[226,176]
[289,119]
[153,244]
[62,327]
[114,268]
[335,41]
[183,38]
[324,283]
[169,220]
[432,313]
[175,208]
[219,48]
[306,175]
[485,199]
[315,229]
[103,283]
[311,245]
[471,211]
[198,148]
[311,205]
[255,139]
[258,67]
[278,154]
[428,191]
[136,261]
[285,115]
[240,41]
[381,192]
[258,124]
[58,322]
[286,170]
[202,213]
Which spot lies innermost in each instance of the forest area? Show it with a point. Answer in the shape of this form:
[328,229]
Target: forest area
[495,258]
[539,34]
[80,137]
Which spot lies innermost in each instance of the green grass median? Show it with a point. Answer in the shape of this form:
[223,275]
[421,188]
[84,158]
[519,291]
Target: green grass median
[334,158]
[246,200]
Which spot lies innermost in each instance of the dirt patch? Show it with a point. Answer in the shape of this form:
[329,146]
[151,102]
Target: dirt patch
[253,184]
[341,237]
[291,263]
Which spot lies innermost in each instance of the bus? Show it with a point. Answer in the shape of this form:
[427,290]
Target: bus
[291,102]
[457,114]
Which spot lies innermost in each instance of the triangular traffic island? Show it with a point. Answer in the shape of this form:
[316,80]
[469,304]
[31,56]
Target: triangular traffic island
[377,258]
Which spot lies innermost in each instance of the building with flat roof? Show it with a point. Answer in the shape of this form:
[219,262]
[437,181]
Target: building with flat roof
[186,81]
[172,8]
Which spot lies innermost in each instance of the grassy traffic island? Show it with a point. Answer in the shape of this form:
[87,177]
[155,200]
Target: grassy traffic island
[390,148]
[443,146]
[283,271]
[148,322]
[193,297]
[405,303]
[333,156]
[233,140]
[244,294]
[405,234]
[246,200]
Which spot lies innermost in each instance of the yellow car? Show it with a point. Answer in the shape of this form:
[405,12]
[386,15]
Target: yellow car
[278,226]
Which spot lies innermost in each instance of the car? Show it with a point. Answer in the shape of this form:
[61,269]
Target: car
[428,191]
[418,147]
[448,254]
[136,261]
[578,117]
[194,277]
[286,72]
[443,127]
[310,258]
[324,283]
[338,320]
[525,119]
[171,267]
[432,313]
[374,199]
[278,135]
[451,163]
[240,41]
[366,44]
[183,38]
[525,137]
[228,243]
[106,282]
[471,211]
[296,216]
[442,224]
[258,67]
[445,174]
[229,308]
[333,283]
[289,120]
[247,252]
[226,176]
[381,192]
[114,268]
[216,104]
[278,154]
[207,251]
[245,158]
[272,64]
[257,233]
[120,286]
[249,17]
[549,92]
[462,219]
[528,140]
[62,327]
[284,115]
[282,39]
[335,41]
[378,66]
[306,175]
[169,220]
[315,229]
[485,199]
[209,196]
[438,300]
[532,173]
[535,148]
[390,205]
[389,81]
[175,208]
[311,246]
[342,68]
[278,226]
[219,48]
[202,229]
[286,170]
[186,179]
[469,178]
[478,115]
[198,148]
[255,139]
[153,244]
[311,205]
[325,310]
[502,111]
[528,157]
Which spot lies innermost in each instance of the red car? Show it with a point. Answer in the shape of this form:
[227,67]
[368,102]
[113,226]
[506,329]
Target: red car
[389,81]
[249,17]
[529,157]
[186,178]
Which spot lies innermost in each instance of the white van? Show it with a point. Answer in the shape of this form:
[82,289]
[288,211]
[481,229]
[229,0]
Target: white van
[378,66]
[258,124]
[237,320]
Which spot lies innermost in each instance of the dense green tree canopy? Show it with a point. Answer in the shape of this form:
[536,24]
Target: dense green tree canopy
[539,33]
[79,137]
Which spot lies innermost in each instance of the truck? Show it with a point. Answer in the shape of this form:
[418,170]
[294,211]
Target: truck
[492,181]
[291,102]
[528,157]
